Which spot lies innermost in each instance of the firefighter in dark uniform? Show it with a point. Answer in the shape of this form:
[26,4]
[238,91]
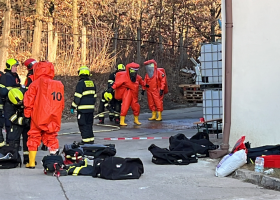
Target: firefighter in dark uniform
[2,119]
[115,104]
[84,100]
[12,80]
[14,110]
[105,103]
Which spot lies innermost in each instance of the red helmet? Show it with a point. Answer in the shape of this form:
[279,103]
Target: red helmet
[29,63]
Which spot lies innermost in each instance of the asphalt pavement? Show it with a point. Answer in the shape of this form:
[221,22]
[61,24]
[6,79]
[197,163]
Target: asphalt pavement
[194,181]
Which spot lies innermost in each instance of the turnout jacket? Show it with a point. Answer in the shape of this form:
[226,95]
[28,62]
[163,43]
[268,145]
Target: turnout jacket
[111,79]
[85,95]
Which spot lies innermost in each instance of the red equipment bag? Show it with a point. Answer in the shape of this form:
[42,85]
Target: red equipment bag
[240,145]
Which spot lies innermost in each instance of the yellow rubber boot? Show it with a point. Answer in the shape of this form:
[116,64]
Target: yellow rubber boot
[122,118]
[136,121]
[154,116]
[32,158]
[159,116]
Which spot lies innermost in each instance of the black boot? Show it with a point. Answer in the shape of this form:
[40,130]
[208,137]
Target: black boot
[117,121]
[25,159]
[101,120]
[44,148]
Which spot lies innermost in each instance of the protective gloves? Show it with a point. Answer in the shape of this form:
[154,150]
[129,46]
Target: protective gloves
[142,92]
[72,111]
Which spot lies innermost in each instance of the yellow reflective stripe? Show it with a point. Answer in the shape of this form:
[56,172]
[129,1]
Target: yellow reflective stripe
[101,115]
[95,95]
[78,169]
[106,104]
[88,92]
[88,139]
[2,86]
[12,118]
[9,88]
[26,153]
[110,81]
[78,95]
[111,113]
[74,105]
[103,100]
[1,106]
[116,115]
[85,107]
[70,167]
[20,120]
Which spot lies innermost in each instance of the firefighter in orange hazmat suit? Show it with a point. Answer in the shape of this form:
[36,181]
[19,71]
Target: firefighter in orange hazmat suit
[155,83]
[44,103]
[130,80]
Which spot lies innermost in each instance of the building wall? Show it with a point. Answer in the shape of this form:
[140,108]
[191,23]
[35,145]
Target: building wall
[256,72]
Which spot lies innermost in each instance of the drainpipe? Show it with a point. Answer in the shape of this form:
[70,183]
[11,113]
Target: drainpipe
[224,147]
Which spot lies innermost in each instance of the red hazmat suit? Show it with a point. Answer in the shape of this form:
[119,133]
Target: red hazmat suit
[156,83]
[127,90]
[44,103]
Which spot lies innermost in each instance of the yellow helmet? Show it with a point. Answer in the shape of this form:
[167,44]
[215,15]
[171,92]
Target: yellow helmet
[11,62]
[84,70]
[15,96]
[108,96]
[121,67]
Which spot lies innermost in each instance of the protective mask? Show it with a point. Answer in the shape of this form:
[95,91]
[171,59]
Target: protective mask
[150,68]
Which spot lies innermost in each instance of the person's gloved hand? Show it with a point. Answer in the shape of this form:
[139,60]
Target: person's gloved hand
[110,90]
[161,92]
[143,92]
[26,121]
[147,86]
[72,111]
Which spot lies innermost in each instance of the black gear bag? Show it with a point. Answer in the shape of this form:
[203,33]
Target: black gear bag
[116,168]
[53,164]
[9,157]
[163,156]
[99,150]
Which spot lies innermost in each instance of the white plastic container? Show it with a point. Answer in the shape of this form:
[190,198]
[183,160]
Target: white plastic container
[259,164]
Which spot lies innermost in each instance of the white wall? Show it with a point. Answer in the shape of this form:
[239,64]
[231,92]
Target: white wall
[256,72]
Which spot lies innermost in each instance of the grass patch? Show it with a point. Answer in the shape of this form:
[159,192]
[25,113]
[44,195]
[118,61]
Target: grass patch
[251,167]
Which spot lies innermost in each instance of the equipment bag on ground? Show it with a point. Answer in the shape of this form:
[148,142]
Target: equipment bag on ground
[116,168]
[73,153]
[260,151]
[99,150]
[9,158]
[180,142]
[54,164]
[163,156]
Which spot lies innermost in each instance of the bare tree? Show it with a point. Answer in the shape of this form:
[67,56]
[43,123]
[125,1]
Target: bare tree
[36,46]
[5,35]
[75,27]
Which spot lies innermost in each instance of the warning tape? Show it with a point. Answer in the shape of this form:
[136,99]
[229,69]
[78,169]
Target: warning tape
[137,138]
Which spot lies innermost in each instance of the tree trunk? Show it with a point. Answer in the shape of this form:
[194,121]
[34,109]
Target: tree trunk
[84,45]
[36,46]
[75,28]
[50,40]
[5,36]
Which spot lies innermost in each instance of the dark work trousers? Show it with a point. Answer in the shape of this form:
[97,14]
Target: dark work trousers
[85,122]
[25,137]
[2,122]
[14,135]
[117,108]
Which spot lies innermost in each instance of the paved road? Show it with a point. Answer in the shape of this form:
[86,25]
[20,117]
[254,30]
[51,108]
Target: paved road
[194,181]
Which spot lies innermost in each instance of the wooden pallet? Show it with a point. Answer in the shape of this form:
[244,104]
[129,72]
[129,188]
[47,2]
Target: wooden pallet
[191,87]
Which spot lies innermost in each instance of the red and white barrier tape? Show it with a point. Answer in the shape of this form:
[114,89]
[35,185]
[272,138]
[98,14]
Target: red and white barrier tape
[137,138]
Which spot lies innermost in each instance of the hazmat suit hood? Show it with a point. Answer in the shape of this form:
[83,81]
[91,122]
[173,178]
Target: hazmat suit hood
[151,67]
[43,68]
[132,70]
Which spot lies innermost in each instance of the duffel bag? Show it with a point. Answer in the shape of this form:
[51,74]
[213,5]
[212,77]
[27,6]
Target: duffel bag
[99,150]
[163,156]
[81,168]
[116,168]
[9,158]
[54,164]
